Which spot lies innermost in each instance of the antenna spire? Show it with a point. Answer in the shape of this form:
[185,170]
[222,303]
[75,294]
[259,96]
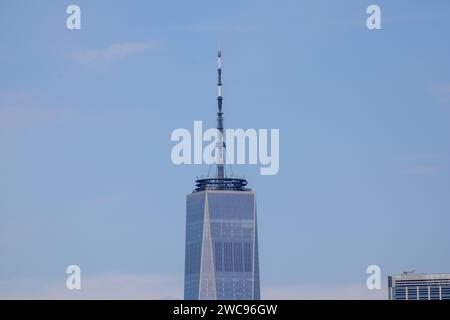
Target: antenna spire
[220,143]
[220,181]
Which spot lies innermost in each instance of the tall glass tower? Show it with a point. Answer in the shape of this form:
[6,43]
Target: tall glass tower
[221,232]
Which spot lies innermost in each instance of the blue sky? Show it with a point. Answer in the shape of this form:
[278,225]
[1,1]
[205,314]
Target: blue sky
[86,117]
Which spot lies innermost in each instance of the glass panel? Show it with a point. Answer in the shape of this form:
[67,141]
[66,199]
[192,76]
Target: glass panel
[194,231]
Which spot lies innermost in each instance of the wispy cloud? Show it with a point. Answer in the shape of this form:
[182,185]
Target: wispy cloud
[102,286]
[18,110]
[421,165]
[164,287]
[441,92]
[337,292]
[421,170]
[114,51]
[204,28]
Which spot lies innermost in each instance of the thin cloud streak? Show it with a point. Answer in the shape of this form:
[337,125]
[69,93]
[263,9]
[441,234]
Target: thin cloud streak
[421,170]
[426,164]
[221,28]
[114,52]
[165,287]
[19,110]
[441,92]
[103,286]
[316,292]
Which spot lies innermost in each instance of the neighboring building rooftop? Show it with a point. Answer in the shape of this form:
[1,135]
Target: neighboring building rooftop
[417,286]
[410,277]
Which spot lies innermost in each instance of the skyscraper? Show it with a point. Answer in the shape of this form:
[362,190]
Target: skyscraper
[411,286]
[221,260]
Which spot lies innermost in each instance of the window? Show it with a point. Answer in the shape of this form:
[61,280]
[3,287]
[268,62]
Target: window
[248,256]
[218,256]
[237,257]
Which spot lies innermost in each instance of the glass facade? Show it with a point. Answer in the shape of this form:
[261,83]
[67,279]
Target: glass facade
[419,287]
[221,246]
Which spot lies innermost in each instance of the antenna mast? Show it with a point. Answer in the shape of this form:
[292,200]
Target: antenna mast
[220,143]
[220,182]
